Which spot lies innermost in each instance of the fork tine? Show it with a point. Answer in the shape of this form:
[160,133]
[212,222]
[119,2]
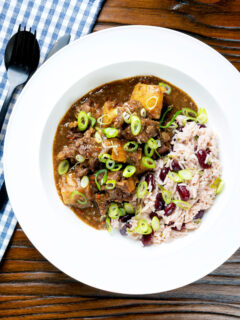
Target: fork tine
[22,46]
[33,48]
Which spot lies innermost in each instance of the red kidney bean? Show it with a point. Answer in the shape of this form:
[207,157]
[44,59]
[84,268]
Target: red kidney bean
[183,192]
[202,155]
[159,202]
[147,239]
[169,209]
[199,215]
[182,227]
[123,230]
[151,180]
[175,166]
[163,173]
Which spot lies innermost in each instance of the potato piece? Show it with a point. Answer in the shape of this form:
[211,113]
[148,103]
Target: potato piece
[69,183]
[150,96]
[127,185]
[109,113]
[118,152]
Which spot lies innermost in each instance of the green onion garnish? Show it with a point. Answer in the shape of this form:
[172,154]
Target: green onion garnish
[118,166]
[83,199]
[113,211]
[128,207]
[103,157]
[143,227]
[82,121]
[189,112]
[148,151]
[93,121]
[141,189]
[217,184]
[129,171]
[164,115]
[182,204]
[108,225]
[80,158]
[143,113]
[110,164]
[63,167]
[84,182]
[98,137]
[126,117]
[110,132]
[138,211]
[152,143]
[185,174]
[135,125]
[167,195]
[110,184]
[174,177]
[121,212]
[103,180]
[130,146]
[202,116]
[155,223]
[148,162]
[171,121]
[166,87]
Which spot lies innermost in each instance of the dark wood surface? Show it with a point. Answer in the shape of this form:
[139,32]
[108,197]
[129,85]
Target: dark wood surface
[31,288]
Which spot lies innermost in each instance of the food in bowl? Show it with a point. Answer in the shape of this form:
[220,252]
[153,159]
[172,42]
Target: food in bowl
[136,155]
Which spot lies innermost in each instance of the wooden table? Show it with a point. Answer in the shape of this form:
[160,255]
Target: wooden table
[31,288]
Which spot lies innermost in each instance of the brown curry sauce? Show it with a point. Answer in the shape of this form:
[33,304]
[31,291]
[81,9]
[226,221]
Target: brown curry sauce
[119,91]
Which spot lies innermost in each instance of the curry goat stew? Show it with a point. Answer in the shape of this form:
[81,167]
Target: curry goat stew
[117,92]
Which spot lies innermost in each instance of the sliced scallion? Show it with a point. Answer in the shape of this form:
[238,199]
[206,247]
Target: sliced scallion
[98,137]
[101,121]
[110,164]
[166,194]
[166,87]
[165,113]
[82,121]
[126,117]
[103,180]
[80,158]
[148,163]
[155,223]
[189,112]
[130,146]
[129,171]
[84,182]
[110,184]
[135,125]
[143,227]
[174,177]
[128,207]
[118,166]
[185,174]
[138,211]
[121,212]
[93,121]
[151,102]
[202,116]
[148,151]
[108,225]
[141,189]
[110,132]
[171,121]
[113,211]
[152,143]
[182,204]
[63,167]
[143,113]
[103,157]
[82,200]
[217,184]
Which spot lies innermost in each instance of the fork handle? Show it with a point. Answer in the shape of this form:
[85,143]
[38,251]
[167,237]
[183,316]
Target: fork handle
[5,105]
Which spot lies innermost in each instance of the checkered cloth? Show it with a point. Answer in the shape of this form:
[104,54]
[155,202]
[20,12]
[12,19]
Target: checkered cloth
[51,19]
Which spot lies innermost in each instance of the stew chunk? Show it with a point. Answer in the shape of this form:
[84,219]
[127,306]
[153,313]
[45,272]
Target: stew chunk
[150,96]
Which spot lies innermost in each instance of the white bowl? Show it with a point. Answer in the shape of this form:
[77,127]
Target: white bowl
[113,262]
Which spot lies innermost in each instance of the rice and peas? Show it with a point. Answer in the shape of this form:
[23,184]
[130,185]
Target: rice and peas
[182,186]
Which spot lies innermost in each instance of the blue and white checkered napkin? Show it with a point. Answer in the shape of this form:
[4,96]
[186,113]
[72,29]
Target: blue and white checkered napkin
[51,19]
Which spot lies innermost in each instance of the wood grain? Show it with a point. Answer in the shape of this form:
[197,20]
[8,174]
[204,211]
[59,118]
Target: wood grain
[31,288]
